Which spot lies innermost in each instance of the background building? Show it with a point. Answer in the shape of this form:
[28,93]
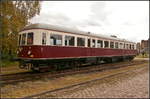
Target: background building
[138,46]
[143,47]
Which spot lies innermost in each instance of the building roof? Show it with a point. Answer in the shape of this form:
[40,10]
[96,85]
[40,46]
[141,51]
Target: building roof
[64,29]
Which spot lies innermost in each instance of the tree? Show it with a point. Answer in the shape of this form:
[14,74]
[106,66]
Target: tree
[14,15]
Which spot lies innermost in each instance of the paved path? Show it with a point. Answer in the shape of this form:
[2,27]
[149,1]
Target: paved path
[132,87]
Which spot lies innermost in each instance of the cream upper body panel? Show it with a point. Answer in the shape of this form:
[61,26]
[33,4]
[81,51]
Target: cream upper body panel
[38,29]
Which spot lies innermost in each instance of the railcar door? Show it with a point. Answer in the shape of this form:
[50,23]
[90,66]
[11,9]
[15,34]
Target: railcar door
[88,49]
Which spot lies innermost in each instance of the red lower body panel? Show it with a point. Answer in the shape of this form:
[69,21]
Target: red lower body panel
[70,52]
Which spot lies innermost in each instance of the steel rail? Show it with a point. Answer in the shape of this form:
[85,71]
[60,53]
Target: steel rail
[34,76]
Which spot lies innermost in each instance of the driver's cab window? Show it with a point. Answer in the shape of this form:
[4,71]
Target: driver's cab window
[30,38]
[23,42]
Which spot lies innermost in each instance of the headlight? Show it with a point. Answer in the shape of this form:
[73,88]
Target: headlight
[29,52]
[20,49]
[32,56]
[17,52]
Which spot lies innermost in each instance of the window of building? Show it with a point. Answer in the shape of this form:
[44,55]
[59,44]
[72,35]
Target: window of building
[99,43]
[80,41]
[111,44]
[93,43]
[69,40]
[89,43]
[134,46]
[23,39]
[43,38]
[19,41]
[116,44]
[56,39]
[30,38]
[106,43]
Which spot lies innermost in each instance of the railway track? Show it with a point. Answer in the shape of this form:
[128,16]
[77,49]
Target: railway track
[48,93]
[27,76]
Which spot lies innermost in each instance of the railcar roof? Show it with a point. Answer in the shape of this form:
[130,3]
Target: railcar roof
[64,29]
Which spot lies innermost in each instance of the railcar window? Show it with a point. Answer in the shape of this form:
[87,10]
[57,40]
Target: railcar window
[80,41]
[56,39]
[89,43]
[19,39]
[133,46]
[127,46]
[93,43]
[116,44]
[121,45]
[111,44]
[99,43]
[130,46]
[69,40]
[43,38]
[30,38]
[23,42]
[124,45]
[106,43]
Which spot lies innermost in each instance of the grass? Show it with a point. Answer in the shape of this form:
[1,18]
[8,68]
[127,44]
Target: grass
[7,63]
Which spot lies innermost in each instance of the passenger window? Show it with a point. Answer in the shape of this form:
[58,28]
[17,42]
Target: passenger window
[111,44]
[43,38]
[23,39]
[124,46]
[127,47]
[106,43]
[69,40]
[99,43]
[80,41]
[56,39]
[121,45]
[116,44]
[89,43]
[30,38]
[19,39]
[93,43]
[130,46]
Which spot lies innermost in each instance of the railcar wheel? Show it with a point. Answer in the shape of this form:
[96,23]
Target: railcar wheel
[77,64]
[34,70]
[131,58]
[108,60]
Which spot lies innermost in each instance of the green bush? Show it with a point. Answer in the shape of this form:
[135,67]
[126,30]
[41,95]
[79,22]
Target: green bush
[143,56]
[7,60]
[6,63]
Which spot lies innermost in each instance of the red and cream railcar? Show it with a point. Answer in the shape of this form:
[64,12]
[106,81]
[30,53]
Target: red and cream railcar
[43,45]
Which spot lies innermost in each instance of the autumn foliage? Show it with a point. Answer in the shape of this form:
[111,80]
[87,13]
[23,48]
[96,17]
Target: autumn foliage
[14,15]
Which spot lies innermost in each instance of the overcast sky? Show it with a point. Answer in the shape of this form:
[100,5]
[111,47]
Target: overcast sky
[125,19]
